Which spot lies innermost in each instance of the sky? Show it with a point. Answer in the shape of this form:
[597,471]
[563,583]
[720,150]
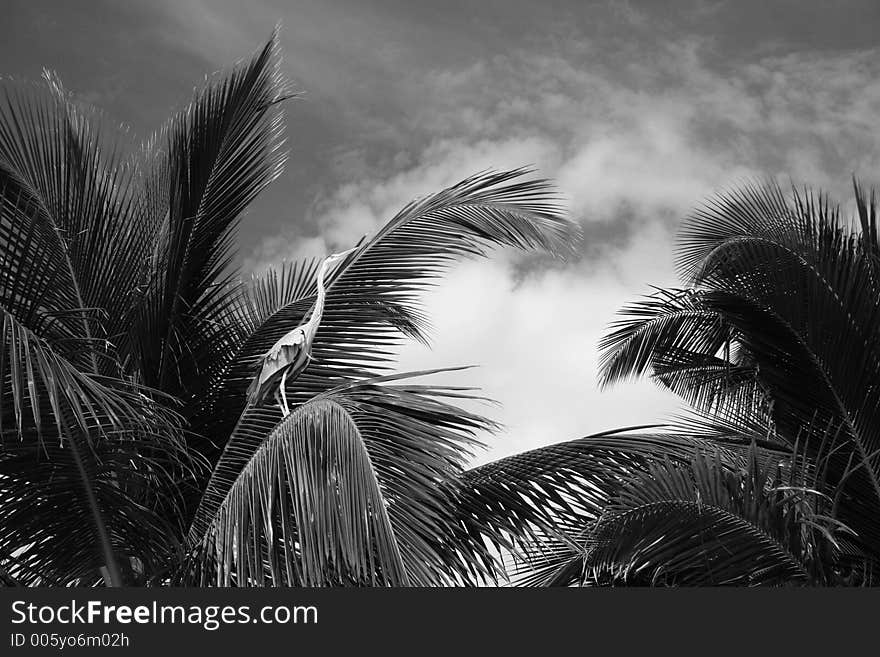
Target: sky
[639,111]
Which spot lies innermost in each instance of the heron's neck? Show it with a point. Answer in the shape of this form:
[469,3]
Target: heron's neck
[318,310]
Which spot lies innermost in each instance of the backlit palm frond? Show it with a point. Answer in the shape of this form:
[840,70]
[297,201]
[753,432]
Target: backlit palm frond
[36,378]
[276,288]
[709,524]
[552,492]
[271,304]
[86,456]
[550,558]
[560,512]
[372,299]
[717,519]
[347,490]
[869,238]
[67,510]
[783,292]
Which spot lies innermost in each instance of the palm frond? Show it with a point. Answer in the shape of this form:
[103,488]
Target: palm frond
[372,296]
[207,164]
[36,377]
[88,465]
[82,448]
[522,500]
[73,237]
[797,258]
[784,292]
[720,518]
[710,524]
[348,489]
[684,341]
[101,500]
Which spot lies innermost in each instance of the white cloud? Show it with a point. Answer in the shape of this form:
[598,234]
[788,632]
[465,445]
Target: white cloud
[536,347]
[633,143]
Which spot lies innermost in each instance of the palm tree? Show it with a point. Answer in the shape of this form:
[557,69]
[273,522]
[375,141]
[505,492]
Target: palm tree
[773,341]
[129,454]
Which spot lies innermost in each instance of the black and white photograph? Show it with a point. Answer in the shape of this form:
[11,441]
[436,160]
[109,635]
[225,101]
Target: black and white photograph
[385,294]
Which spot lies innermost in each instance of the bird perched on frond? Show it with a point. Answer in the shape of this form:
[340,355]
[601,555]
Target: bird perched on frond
[292,353]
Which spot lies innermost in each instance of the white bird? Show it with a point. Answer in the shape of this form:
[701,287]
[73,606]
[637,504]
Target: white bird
[292,353]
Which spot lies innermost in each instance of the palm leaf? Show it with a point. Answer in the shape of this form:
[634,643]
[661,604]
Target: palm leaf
[522,500]
[725,519]
[72,425]
[72,233]
[372,301]
[206,165]
[684,341]
[783,289]
[348,489]
[709,524]
[87,463]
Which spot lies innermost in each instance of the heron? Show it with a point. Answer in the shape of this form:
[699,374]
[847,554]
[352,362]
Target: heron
[292,353]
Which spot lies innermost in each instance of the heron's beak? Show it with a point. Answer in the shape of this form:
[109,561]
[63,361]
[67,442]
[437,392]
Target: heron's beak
[334,259]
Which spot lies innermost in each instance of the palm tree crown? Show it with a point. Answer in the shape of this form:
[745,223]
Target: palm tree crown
[129,451]
[773,341]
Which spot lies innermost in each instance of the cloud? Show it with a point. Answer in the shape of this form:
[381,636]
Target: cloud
[638,115]
[535,342]
[634,139]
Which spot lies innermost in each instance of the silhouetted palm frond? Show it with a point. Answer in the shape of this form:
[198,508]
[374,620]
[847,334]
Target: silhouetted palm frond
[202,170]
[780,321]
[348,489]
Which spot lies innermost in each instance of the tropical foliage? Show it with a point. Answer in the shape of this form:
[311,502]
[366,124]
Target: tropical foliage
[129,454]
[773,341]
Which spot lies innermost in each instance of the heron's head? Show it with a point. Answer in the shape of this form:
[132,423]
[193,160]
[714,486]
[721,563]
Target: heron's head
[336,257]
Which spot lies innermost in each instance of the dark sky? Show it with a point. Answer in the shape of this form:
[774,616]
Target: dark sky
[357,60]
[637,110]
